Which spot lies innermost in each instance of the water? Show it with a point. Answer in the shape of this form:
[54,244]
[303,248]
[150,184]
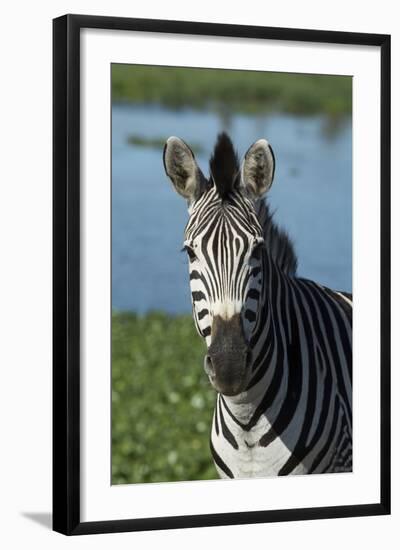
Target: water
[311,194]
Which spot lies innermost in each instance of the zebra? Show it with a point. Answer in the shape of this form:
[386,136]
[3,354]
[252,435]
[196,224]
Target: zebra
[279,347]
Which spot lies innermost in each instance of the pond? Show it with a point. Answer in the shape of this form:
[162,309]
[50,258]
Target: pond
[311,196]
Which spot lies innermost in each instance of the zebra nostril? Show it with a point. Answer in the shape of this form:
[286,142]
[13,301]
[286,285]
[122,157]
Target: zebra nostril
[208,366]
[249,358]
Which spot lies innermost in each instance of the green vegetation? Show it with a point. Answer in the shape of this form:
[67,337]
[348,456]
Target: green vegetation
[231,90]
[162,402]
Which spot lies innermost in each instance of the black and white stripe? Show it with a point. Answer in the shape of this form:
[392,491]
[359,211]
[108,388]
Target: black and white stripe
[294,414]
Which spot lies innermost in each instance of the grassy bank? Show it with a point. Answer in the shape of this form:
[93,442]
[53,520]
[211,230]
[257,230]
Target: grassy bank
[240,91]
[162,402]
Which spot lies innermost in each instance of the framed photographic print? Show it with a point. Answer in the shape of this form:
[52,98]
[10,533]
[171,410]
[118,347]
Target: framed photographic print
[221,202]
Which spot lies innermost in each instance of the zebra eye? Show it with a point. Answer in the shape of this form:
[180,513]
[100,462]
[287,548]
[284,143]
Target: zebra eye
[258,245]
[190,252]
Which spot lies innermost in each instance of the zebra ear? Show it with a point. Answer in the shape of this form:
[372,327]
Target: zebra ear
[258,167]
[181,167]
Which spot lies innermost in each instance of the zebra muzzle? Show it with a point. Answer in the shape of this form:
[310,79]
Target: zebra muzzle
[228,359]
[228,372]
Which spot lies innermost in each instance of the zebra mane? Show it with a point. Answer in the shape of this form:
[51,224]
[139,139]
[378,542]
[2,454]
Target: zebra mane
[224,165]
[277,241]
[224,171]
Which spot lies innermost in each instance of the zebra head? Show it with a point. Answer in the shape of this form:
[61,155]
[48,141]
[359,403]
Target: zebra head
[223,240]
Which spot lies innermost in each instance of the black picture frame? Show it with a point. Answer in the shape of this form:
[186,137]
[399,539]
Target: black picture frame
[66,273]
